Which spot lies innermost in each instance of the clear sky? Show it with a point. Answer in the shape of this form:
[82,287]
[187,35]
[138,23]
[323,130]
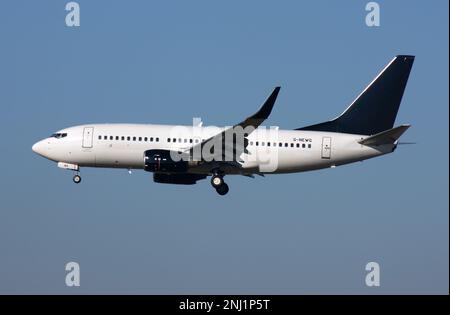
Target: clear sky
[170,61]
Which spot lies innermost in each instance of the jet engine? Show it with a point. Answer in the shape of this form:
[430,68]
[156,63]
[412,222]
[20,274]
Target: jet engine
[165,161]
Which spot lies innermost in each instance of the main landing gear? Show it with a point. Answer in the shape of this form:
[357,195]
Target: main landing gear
[218,183]
[76,178]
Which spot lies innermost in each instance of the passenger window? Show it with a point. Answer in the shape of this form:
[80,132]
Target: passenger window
[292,145]
[251,142]
[303,145]
[99,137]
[174,140]
[134,138]
[309,146]
[280,144]
[105,137]
[286,144]
[190,140]
[168,139]
[140,138]
[268,144]
[157,139]
[262,143]
[196,140]
[123,138]
[151,139]
[257,143]
[298,145]
[117,137]
[145,139]
[128,138]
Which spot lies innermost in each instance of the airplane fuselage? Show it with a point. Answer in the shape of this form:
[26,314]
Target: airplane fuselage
[269,152]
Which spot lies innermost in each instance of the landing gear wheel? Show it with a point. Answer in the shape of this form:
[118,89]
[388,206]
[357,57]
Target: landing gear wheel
[217,181]
[77,179]
[222,189]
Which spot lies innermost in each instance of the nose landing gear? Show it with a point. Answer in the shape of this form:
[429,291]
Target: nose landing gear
[218,183]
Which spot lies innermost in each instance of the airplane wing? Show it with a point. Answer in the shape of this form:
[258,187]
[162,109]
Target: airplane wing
[228,140]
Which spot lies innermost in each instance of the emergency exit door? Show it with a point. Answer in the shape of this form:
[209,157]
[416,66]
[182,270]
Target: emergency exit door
[88,136]
[326,147]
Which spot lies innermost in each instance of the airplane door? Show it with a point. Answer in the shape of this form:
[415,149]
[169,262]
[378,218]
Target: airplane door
[88,136]
[326,147]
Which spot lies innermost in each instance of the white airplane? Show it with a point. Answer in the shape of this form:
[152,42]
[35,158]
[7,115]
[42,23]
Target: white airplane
[186,154]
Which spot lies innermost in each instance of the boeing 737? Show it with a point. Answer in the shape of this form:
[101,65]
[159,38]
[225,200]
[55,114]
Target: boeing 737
[186,154]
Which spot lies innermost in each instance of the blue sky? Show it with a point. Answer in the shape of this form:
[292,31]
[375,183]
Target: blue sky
[170,61]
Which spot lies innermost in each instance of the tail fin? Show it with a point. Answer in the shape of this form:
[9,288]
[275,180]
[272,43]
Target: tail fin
[375,109]
[385,137]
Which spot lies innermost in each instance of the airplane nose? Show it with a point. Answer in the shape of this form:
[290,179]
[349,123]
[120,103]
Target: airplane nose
[37,147]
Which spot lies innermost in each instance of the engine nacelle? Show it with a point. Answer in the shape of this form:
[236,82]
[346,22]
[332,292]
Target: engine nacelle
[180,179]
[161,161]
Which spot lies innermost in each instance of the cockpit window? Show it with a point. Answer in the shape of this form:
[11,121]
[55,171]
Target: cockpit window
[59,135]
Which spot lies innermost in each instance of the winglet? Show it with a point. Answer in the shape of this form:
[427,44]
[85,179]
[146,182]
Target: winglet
[386,137]
[266,108]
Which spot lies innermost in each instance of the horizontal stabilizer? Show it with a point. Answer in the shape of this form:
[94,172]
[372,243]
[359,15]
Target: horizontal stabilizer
[385,137]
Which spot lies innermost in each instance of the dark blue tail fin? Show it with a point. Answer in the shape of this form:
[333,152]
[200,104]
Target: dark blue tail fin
[375,109]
